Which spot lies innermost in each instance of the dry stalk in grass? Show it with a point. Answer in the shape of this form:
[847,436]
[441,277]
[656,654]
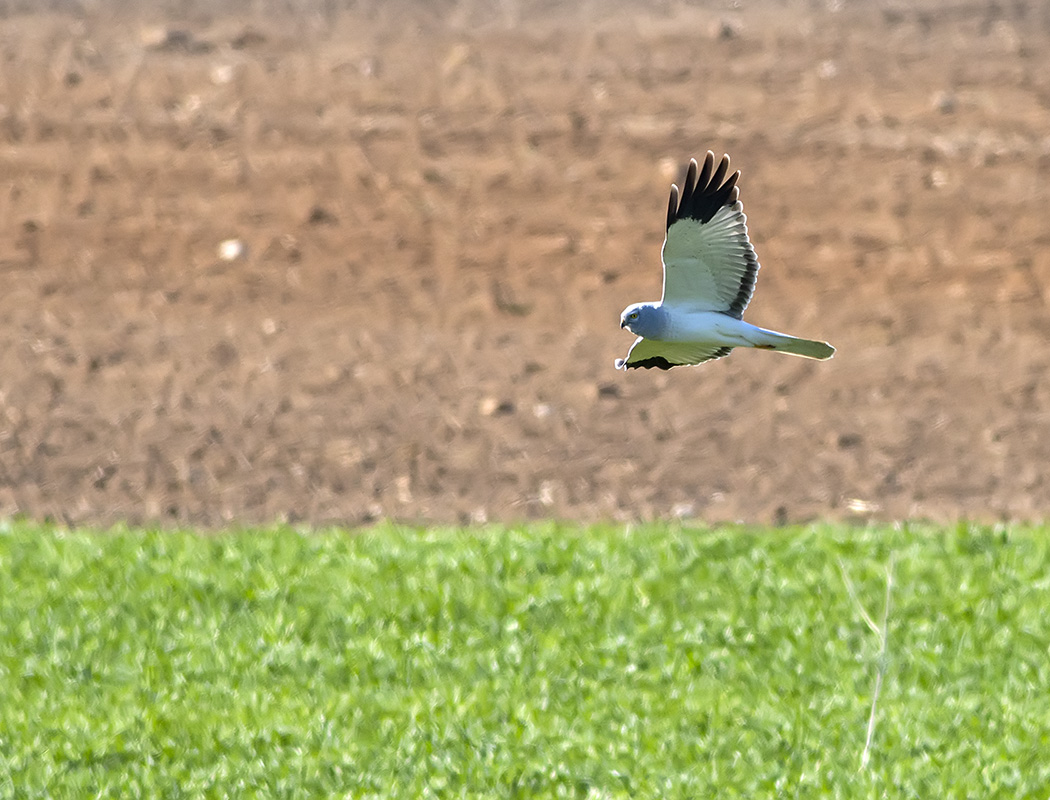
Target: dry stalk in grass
[883,634]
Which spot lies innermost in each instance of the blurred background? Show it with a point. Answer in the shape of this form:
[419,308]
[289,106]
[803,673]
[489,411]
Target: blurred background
[325,261]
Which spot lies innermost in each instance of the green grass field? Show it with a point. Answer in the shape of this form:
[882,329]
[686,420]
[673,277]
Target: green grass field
[541,661]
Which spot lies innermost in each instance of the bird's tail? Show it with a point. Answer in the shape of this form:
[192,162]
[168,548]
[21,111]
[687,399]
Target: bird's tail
[782,343]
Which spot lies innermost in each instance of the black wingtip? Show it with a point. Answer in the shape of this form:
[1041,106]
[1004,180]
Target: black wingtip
[721,172]
[672,205]
[705,190]
[709,165]
[657,362]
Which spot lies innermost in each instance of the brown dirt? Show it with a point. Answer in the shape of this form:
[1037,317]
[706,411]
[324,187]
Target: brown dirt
[445,208]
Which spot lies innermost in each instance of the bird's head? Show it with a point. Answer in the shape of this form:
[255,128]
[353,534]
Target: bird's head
[643,319]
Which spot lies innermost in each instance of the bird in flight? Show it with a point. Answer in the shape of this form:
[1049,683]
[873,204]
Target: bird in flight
[709,276]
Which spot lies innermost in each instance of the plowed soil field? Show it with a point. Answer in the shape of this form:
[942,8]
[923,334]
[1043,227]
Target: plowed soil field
[433,216]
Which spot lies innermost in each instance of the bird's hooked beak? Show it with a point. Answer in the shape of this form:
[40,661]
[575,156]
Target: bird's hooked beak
[623,324]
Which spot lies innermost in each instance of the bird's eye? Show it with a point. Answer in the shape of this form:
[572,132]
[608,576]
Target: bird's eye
[634,315]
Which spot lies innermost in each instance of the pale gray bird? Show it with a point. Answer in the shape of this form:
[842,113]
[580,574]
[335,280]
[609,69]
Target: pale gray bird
[709,276]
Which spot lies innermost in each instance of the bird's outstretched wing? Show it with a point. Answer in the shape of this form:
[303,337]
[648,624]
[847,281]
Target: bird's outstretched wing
[709,263]
[648,353]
